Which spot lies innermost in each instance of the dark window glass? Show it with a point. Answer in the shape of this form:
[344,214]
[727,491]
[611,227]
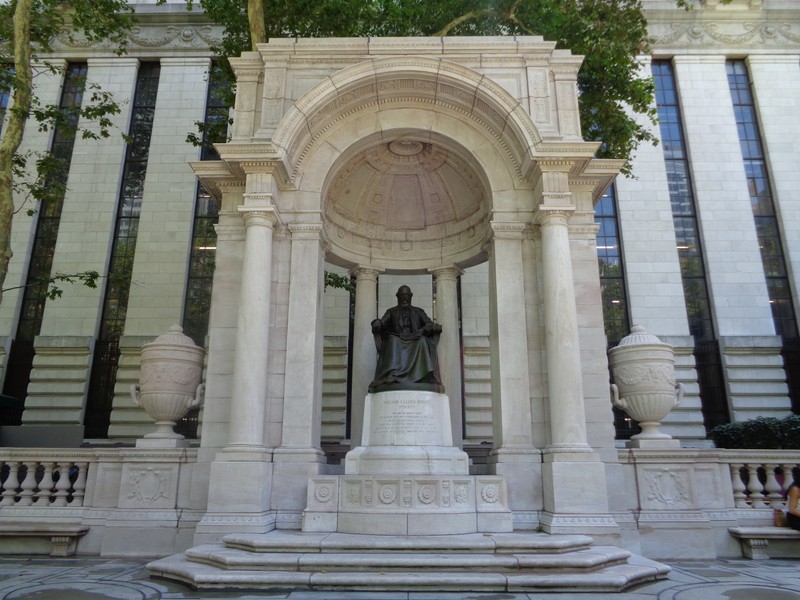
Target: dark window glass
[761,201]
[120,269]
[48,219]
[690,250]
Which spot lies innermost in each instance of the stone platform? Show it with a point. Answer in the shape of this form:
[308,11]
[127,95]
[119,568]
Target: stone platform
[504,562]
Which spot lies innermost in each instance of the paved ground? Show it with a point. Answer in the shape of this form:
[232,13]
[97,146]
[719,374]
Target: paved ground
[103,579]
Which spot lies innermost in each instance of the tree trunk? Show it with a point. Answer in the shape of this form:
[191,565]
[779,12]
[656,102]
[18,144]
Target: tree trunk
[255,17]
[12,137]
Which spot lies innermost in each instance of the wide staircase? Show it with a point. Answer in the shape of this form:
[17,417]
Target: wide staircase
[503,562]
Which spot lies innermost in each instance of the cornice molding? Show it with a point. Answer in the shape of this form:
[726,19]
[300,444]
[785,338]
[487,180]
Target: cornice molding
[752,32]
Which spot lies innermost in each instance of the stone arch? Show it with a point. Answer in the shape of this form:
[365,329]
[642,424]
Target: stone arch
[455,116]
[432,86]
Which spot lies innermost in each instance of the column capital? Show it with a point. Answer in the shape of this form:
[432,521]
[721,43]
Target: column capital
[259,216]
[553,215]
[228,229]
[507,230]
[364,273]
[451,273]
[306,231]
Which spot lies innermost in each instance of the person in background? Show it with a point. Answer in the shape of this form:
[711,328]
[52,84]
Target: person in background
[791,517]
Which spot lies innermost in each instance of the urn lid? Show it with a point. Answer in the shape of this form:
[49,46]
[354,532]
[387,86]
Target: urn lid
[175,337]
[639,337]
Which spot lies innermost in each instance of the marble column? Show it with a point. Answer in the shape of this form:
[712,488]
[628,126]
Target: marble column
[567,422]
[252,331]
[449,347]
[573,476]
[365,355]
[240,479]
[299,456]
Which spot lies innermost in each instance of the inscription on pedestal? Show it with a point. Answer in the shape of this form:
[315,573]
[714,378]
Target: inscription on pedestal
[408,418]
[405,416]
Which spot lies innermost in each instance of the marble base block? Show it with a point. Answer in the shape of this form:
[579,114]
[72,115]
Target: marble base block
[407,432]
[407,505]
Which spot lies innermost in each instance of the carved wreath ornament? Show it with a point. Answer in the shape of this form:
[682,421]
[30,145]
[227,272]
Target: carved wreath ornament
[490,494]
[426,494]
[148,486]
[323,493]
[387,495]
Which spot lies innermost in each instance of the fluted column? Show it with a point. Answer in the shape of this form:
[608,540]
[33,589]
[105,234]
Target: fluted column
[573,476]
[449,347]
[567,416]
[365,355]
[252,330]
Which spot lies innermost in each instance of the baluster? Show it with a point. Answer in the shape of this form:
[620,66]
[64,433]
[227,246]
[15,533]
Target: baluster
[45,485]
[754,487]
[62,485]
[739,495]
[80,485]
[11,484]
[772,487]
[28,485]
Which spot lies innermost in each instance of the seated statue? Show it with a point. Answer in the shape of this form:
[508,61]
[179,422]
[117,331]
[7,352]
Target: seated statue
[406,340]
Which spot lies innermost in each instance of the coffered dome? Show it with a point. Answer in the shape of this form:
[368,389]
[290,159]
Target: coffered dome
[407,204]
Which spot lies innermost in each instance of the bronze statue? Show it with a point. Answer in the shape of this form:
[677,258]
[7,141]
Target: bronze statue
[406,340]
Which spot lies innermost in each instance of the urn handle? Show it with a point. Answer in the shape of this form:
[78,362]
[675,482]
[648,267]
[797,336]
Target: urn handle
[616,400]
[199,396]
[679,390]
[135,394]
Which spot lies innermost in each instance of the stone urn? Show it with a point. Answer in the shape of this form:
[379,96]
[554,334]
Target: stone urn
[645,388]
[169,384]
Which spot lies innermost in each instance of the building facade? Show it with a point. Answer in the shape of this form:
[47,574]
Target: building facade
[465,178]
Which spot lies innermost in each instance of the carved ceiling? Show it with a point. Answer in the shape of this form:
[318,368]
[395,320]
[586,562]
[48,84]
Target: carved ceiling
[406,196]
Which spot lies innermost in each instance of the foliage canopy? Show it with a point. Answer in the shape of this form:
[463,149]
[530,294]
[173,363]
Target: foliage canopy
[27,29]
[610,34]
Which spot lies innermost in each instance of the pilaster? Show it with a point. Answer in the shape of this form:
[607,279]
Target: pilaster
[514,455]
[299,456]
[365,355]
[449,346]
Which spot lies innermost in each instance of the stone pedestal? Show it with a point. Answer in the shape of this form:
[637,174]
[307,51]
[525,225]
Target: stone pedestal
[406,432]
[407,478]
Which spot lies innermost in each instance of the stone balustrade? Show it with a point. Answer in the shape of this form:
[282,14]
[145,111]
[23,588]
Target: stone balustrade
[759,479]
[138,490]
[36,478]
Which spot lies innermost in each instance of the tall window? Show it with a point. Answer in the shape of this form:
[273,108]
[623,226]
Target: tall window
[690,251]
[204,238]
[20,360]
[612,278]
[115,303]
[197,303]
[766,222]
[612,288]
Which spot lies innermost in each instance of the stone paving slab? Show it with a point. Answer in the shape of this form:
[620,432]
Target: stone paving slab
[27,578]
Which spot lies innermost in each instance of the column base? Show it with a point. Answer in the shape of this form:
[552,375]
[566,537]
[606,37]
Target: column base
[576,492]
[521,467]
[239,494]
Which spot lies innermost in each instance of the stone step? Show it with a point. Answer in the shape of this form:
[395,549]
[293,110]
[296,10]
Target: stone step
[472,562]
[581,561]
[614,578]
[298,541]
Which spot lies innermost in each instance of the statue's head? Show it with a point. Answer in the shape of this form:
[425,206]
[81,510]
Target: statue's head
[404,295]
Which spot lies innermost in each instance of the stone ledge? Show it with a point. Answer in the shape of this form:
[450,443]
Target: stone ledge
[63,538]
[755,540]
